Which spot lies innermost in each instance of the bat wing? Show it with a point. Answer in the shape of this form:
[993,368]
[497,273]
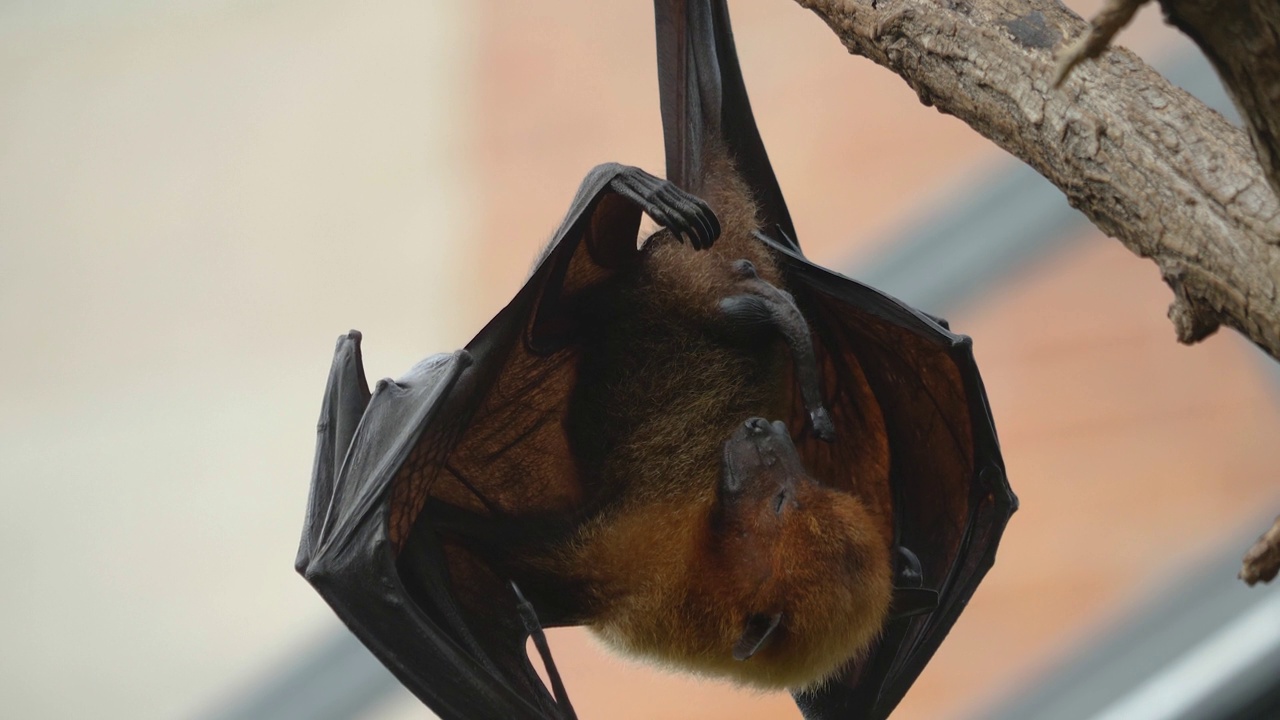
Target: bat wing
[915,438]
[703,99]
[419,485]
[916,441]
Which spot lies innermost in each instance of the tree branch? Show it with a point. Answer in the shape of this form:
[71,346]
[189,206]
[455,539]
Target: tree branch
[1242,40]
[1113,16]
[1146,162]
[1262,562]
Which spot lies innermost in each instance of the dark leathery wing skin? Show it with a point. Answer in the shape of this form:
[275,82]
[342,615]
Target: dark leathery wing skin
[421,486]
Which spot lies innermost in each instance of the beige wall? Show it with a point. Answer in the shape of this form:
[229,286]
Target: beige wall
[195,200]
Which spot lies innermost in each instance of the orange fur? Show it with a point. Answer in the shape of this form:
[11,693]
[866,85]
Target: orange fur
[672,572]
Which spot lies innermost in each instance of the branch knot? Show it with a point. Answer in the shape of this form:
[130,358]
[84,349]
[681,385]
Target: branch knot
[1192,321]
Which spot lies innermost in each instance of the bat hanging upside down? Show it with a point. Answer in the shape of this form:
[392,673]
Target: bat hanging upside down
[712,452]
[715,551]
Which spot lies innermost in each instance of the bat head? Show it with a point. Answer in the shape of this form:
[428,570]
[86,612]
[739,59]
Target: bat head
[797,570]
[760,463]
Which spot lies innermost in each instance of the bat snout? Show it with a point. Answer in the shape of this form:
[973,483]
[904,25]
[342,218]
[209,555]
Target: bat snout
[760,459]
[759,428]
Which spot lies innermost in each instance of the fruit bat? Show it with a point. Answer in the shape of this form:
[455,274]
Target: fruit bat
[704,447]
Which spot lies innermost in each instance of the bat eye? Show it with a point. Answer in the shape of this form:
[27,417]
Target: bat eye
[779,501]
[744,269]
[757,426]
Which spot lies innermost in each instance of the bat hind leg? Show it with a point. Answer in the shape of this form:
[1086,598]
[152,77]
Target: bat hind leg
[686,216]
[762,306]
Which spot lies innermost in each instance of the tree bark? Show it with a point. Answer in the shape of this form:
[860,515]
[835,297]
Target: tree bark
[1242,40]
[1146,162]
[1262,562]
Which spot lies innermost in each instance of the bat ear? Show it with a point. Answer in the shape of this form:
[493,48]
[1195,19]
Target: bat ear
[909,597]
[758,631]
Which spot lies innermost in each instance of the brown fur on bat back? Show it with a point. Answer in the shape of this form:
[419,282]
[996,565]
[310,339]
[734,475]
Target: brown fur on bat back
[674,570]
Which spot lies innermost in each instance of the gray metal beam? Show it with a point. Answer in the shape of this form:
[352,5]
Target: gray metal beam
[1201,648]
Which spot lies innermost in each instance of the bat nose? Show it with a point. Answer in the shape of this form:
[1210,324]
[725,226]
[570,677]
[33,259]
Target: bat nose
[757,426]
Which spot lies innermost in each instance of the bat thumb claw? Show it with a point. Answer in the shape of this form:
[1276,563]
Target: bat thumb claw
[823,428]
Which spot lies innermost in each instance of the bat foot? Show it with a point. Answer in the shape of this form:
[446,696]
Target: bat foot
[689,218]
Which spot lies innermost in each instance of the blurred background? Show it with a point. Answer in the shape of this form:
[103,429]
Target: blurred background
[197,197]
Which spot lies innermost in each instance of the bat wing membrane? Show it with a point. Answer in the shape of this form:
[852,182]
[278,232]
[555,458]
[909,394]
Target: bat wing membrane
[704,99]
[915,440]
[416,482]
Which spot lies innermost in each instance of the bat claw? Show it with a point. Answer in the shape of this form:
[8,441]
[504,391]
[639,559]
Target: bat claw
[688,218]
[823,428]
[909,572]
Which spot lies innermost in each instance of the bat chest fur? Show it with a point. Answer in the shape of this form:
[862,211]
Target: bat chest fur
[668,373]
[664,382]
